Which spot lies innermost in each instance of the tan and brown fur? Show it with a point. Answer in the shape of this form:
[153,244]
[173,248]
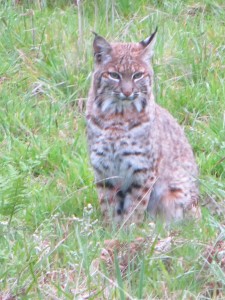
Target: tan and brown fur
[141,158]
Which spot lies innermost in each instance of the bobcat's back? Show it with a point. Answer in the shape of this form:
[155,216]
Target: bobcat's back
[140,155]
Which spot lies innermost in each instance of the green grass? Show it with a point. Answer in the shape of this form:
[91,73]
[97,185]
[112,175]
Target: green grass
[50,221]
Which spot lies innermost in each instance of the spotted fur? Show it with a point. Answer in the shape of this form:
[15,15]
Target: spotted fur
[141,158]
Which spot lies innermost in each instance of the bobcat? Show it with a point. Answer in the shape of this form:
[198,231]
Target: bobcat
[141,158]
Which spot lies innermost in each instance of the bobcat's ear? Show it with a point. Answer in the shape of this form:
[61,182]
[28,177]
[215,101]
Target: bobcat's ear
[102,49]
[148,45]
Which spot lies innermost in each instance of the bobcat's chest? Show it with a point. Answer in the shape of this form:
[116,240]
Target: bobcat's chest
[118,154]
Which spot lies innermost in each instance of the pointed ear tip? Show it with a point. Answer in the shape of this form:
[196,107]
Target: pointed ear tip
[95,34]
[154,33]
[149,39]
[98,37]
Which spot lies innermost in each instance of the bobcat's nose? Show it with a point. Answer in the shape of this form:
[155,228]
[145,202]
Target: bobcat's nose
[127,95]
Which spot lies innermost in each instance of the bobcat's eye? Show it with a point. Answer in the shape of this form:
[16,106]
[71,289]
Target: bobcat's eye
[138,75]
[114,75]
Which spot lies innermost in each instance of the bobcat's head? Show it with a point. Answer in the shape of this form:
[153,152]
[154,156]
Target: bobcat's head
[123,74]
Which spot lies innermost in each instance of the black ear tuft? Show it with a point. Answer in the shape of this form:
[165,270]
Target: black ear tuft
[95,34]
[149,39]
[148,46]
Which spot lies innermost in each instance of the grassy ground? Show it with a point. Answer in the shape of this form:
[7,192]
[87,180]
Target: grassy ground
[52,242]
